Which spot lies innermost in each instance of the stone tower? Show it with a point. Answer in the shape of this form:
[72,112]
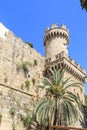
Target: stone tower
[56,42]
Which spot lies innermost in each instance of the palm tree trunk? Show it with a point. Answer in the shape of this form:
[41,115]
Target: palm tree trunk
[59,114]
[55,114]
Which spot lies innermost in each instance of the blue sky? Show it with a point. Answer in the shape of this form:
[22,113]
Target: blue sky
[28,19]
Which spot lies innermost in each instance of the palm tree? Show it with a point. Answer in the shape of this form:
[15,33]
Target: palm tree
[59,106]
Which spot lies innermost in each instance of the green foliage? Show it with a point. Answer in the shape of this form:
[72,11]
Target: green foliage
[27,84]
[30,44]
[26,110]
[24,66]
[0,117]
[33,81]
[26,120]
[35,62]
[84,4]
[22,86]
[13,126]
[12,111]
[30,122]
[5,79]
[18,103]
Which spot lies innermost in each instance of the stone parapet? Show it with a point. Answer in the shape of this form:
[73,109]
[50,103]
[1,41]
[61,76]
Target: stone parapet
[61,60]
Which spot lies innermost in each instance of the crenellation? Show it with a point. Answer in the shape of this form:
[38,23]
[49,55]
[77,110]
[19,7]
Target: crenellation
[63,55]
[54,26]
[77,65]
[64,27]
[69,64]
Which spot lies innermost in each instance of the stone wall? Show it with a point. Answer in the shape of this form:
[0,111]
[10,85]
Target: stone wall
[21,70]
[13,101]
[19,62]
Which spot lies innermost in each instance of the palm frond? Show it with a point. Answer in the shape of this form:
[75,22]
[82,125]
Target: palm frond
[72,85]
[47,82]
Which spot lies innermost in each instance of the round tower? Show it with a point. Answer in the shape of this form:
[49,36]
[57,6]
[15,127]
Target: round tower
[56,40]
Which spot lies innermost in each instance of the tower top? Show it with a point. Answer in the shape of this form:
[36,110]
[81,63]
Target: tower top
[56,40]
[55,31]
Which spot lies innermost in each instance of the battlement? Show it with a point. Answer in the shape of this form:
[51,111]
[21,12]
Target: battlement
[56,31]
[53,26]
[62,55]
[76,65]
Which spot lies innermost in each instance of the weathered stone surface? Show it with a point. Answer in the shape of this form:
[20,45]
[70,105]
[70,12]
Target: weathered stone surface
[17,84]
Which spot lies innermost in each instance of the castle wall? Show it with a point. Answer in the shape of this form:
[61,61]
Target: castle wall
[21,70]
[13,101]
[14,53]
